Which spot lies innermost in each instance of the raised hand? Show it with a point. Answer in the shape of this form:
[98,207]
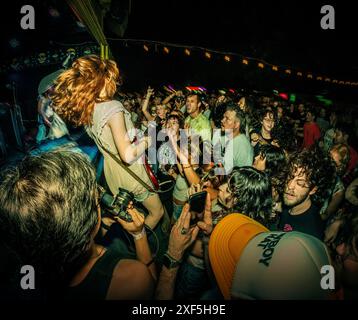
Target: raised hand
[136,226]
[150,92]
[182,236]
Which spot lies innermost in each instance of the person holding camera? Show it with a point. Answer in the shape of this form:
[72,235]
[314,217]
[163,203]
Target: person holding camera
[84,96]
[49,217]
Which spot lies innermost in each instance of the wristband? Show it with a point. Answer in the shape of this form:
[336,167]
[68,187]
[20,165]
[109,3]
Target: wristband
[139,235]
[170,262]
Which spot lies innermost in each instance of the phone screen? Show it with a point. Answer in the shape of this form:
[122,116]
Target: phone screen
[197,201]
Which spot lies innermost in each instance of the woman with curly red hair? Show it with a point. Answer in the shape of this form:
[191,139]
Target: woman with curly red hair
[83,95]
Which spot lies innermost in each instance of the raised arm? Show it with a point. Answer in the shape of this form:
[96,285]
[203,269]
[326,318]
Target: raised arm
[145,104]
[171,96]
[184,165]
[181,237]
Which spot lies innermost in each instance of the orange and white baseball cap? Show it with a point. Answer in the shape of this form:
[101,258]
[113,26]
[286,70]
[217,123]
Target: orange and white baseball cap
[228,240]
[282,266]
[250,262]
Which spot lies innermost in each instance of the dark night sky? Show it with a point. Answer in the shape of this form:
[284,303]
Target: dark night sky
[281,32]
[285,33]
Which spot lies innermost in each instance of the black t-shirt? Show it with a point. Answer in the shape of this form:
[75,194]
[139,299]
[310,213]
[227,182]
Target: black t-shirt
[257,146]
[308,222]
[96,284]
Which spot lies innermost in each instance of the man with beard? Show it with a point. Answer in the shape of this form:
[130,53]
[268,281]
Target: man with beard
[310,174]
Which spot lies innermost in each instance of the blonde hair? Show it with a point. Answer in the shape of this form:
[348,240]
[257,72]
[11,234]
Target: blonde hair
[90,80]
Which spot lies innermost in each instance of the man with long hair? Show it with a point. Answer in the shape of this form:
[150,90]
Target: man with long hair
[310,175]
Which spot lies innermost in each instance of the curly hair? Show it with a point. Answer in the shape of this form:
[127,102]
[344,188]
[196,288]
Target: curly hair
[283,134]
[319,169]
[48,214]
[251,192]
[90,80]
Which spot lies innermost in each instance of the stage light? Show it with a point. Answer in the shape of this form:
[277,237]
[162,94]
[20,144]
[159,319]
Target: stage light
[283,96]
[319,78]
[245,61]
[208,55]
[166,50]
[310,76]
[145,47]
[227,58]
[348,82]
[274,68]
[327,80]
[261,65]
[335,81]
[197,89]
[299,74]
[292,98]
[187,52]
[288,71]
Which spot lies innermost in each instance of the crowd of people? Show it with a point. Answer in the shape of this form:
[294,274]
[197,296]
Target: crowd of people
[273,183]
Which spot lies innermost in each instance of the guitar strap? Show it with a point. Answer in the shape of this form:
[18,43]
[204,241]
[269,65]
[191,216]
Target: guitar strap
[129,171]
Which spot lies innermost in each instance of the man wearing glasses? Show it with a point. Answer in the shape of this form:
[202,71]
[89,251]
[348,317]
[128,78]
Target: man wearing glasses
[309,176]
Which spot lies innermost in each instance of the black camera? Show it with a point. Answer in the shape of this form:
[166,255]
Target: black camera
[116,205]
